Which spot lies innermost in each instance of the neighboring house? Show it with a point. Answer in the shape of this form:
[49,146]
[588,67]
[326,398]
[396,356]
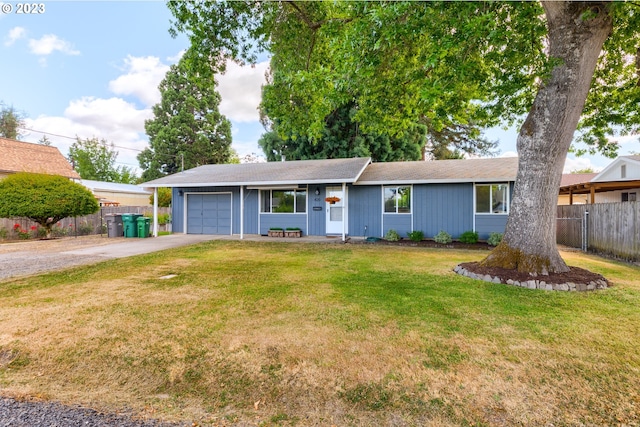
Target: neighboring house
[18,156]
[347,197]
[116,194]
[618,182]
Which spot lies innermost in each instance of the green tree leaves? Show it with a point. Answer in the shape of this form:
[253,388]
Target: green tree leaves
[95,160]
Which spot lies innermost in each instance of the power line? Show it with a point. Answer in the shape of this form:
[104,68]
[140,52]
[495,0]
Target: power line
[76,138]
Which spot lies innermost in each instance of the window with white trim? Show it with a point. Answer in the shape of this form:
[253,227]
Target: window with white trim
[492,198]
[397,199]
[283,201]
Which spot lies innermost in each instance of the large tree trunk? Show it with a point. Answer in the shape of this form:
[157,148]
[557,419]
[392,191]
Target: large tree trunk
[577,32]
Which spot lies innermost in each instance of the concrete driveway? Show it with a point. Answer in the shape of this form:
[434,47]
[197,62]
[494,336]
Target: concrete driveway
[39,256]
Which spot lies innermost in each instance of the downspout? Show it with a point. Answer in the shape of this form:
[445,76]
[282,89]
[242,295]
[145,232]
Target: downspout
[241,212]
[344,209]
[155,212]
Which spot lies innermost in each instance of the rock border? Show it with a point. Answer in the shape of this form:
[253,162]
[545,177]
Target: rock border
[535,283]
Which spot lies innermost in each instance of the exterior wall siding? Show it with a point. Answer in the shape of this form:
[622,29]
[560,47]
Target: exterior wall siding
[486,224]
[317,217]
[435,207]
[282,220]
[399,222]
[447,207]
[178,212]
[251,211]
[365,211]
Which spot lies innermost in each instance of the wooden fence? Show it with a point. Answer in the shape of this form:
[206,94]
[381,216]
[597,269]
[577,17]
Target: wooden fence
[611,228]
[22,228]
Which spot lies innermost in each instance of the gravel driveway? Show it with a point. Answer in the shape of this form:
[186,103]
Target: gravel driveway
[14,413]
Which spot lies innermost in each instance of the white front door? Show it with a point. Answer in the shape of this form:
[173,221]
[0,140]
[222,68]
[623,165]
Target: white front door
[335,211]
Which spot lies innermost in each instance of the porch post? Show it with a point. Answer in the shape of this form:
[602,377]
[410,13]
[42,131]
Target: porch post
[344,209]
[242,212]
[155,212]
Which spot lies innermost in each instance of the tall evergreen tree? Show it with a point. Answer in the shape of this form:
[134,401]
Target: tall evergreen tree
[10,121]
[187,128]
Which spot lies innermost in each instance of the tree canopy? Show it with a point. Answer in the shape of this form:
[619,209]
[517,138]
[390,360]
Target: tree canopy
[567,66]
[45,199]
[187,129]
[10,122]
[95,159]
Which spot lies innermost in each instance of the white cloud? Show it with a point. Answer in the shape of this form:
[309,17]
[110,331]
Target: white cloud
[50,43]
[15,34]
[241,91]
[579,163]
[143,75]
[113,119]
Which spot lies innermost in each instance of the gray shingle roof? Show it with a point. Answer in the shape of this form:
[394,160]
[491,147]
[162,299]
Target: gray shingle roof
[466,170]
[272,173]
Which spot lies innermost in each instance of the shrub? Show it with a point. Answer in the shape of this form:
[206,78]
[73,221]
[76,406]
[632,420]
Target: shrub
[392,235]
[293,229]
[85,228]
[469,237]
[4,233]
[416,236]
[442,237]
[494,239]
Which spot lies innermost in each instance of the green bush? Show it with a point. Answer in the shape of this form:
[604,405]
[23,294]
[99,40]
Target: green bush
[4,233]
[293,229]
[469,237]
[85,228]
[276,229]
[416,236]
[442,237]
[392,235]
[494,239]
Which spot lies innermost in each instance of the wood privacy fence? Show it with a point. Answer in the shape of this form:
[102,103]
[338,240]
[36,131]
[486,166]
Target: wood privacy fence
[610,228]
[74,226]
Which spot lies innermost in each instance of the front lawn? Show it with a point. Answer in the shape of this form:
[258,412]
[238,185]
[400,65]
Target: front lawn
[268,334]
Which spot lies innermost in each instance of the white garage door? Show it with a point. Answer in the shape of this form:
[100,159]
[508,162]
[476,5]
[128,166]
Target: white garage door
[209,214]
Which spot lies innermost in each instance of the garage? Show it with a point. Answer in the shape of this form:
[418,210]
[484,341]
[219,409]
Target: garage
[209,213]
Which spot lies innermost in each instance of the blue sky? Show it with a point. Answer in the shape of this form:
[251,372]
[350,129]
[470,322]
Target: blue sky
[91,69]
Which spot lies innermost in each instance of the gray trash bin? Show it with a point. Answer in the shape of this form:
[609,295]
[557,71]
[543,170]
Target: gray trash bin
[114,225]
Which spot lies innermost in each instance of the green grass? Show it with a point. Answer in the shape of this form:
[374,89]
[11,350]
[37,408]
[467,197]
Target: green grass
[310,334]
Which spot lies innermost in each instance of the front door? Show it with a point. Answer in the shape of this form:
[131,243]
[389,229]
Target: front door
[335,210]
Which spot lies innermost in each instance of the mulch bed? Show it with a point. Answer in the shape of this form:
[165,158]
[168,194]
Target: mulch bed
[480,246]
[575,275]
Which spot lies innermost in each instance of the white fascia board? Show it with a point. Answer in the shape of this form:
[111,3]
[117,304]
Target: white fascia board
[435,181]
[366,165]
[250,183]
[601,177]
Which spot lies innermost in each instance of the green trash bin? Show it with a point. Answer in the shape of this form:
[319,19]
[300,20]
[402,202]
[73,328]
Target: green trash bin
[143,226]
[129,224]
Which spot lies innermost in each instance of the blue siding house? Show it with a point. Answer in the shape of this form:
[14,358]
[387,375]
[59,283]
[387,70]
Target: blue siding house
[343,197]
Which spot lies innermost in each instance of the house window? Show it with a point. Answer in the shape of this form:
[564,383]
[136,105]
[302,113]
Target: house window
[397,199]
[283,201]
[492,198]
[629,197]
